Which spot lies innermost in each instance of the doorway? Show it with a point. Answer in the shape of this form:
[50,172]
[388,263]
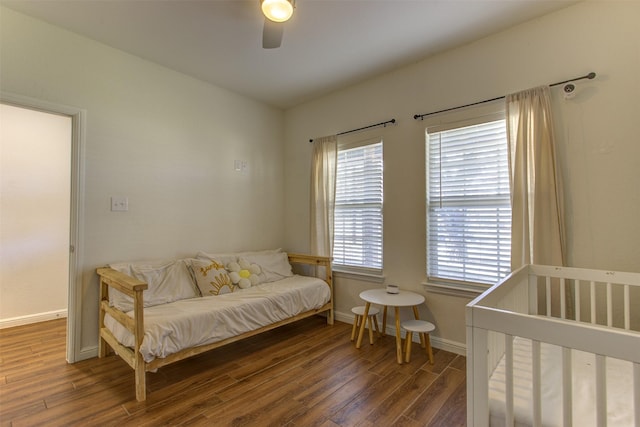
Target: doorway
[41,216]
[35,177]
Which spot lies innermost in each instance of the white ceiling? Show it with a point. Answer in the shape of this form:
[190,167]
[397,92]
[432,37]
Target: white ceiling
[327,45]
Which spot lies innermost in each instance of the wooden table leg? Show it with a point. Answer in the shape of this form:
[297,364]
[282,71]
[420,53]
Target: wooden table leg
[384,321]
[416,314]
[398,336]
[363,324]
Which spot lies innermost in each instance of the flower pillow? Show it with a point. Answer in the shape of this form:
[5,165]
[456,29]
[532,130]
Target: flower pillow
[211,277]
[244,274]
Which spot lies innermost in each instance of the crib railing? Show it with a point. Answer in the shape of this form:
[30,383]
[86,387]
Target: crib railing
[587,310]
[598,296]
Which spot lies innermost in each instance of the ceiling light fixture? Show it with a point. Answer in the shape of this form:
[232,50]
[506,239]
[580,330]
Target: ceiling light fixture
[278,10]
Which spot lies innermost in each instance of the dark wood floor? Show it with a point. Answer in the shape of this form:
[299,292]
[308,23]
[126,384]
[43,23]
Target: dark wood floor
[305,374]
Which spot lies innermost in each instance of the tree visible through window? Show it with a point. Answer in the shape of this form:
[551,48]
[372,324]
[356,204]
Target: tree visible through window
[358,208]
[468,204]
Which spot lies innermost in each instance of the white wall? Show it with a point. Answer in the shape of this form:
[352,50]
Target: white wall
[164,140]
[35,157]
[598,138]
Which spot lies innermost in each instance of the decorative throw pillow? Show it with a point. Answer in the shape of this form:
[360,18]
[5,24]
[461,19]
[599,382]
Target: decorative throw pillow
[211,277]
[244,274]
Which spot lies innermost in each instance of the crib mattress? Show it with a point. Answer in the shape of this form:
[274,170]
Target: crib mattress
[619,377]
[187,323]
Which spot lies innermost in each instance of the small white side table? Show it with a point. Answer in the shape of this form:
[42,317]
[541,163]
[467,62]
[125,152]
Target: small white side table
[401,299]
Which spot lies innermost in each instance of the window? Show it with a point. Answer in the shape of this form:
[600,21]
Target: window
[468,204]
[357,242]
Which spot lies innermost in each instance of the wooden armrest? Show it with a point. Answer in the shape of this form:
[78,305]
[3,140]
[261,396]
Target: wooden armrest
[309,259]
[122,282]
[110,278]
[321,261]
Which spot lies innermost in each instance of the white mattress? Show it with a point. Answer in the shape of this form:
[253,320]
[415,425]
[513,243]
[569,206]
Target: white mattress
[187,323]
[619,376]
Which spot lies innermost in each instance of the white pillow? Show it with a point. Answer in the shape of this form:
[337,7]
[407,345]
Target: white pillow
[211,277]
[262,252]
[227,257]
[168,281]
[223,258]
[275,265]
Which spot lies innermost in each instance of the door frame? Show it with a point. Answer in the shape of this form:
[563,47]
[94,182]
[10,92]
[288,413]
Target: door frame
[78,136]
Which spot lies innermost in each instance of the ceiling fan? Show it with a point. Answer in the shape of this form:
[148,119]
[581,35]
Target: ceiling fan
[276,13]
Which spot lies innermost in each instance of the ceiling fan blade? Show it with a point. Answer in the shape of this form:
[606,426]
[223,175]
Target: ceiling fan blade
[272,34]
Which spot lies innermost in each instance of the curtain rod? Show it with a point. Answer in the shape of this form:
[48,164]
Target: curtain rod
[365,127]
[589,76]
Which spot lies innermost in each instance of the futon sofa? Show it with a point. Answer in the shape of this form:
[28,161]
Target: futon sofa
[156,313]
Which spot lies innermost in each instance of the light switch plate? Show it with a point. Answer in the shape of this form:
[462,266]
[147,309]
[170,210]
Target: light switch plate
[240,166]
[119,204]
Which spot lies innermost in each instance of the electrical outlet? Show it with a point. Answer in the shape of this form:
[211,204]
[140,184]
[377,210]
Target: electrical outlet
[119,204]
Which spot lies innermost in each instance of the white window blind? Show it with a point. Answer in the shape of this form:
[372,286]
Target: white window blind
[358,209]
[468,204]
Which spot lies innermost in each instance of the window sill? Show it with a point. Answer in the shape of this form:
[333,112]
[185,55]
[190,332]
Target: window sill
[456,290]
[358,275]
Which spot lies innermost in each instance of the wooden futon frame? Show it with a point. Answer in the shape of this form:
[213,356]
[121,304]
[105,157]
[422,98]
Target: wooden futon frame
[134,288]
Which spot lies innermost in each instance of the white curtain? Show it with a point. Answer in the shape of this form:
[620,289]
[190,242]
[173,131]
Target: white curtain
[323,193]
[537,234]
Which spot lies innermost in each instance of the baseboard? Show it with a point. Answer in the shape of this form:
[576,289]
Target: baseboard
[437,342]
[450,346]
[32,318]
[343,317]
[87,353]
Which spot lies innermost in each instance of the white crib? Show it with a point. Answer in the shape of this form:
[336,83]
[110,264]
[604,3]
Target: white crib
[555,346]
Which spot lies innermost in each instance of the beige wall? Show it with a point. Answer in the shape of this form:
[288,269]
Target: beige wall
[164,140]
[598,138]
[35,165]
